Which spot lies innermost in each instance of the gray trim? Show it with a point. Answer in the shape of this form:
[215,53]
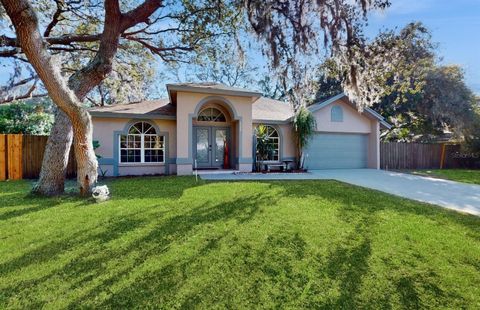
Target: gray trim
[183,161]
[217,91]
[116,144]
[106,161]
[320,105]
[381,118]
[145,116]
[245,160]
[271,122]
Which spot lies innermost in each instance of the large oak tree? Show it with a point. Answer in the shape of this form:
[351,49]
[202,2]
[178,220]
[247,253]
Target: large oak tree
[91,57]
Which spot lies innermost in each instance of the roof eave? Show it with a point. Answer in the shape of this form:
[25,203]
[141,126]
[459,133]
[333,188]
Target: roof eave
[216,91]
[131,115]
[271,121]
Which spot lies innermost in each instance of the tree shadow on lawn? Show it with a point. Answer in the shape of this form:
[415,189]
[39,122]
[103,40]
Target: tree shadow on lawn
[97,260]
[369,201]
[151,272]
[349,261]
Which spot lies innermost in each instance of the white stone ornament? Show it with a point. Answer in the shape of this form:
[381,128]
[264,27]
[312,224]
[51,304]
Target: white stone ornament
[100,193]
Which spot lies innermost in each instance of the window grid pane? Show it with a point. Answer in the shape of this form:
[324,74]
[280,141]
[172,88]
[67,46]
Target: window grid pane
[274,141]
[131,147]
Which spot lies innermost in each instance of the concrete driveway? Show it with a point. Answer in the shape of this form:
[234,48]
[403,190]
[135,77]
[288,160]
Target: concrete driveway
[448,194]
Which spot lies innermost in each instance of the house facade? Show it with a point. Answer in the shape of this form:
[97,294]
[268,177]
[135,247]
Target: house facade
[212,126]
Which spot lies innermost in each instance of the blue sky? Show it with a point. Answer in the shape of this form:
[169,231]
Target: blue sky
[455,25]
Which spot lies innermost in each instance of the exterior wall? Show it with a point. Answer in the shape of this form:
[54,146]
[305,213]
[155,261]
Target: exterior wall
[188,106]
[107,130]
[353,121]
[374,146]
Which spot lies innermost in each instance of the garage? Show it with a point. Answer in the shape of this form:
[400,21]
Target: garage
[337,151]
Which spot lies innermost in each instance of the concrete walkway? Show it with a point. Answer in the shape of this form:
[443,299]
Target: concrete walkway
[448,194]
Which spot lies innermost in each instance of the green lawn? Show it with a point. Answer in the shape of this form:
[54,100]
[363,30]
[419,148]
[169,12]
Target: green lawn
[459,175]
[172,243]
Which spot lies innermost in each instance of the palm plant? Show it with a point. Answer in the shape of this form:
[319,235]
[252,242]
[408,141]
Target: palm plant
[304,125]
[264,147]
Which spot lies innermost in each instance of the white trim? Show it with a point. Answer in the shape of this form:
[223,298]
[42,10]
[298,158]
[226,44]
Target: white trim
[142,146]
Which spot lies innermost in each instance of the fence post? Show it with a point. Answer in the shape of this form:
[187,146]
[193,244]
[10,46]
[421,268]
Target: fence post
[442,157]
[14,146]
[3,157]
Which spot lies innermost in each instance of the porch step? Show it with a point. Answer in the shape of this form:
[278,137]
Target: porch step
[216,171]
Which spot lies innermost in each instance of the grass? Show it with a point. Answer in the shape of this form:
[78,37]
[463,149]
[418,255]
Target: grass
[168,242]
[459,175]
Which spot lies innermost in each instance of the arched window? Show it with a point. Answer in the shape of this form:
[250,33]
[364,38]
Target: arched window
[337,114]
[268,143]
[211,115]
[142,144]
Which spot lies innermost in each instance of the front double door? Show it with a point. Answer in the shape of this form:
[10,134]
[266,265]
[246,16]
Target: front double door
[209,145]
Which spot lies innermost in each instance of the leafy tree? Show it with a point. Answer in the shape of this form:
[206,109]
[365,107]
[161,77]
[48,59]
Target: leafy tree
[270,88]
[421,99]
[223,62]
[73,42]
[26,118]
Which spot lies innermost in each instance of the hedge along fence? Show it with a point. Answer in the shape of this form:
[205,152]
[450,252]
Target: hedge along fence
[21,157]
[401,155]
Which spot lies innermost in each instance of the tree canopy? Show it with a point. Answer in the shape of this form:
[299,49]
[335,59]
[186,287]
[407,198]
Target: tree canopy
[421,98]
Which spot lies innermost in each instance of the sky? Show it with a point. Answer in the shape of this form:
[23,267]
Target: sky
[455,26]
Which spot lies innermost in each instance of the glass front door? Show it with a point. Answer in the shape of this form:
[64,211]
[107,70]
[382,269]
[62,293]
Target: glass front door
[210,144]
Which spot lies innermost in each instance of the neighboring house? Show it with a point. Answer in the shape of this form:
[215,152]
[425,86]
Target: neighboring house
[199,121]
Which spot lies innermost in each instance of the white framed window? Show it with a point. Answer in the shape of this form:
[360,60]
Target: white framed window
[271,149]
[337,114]
[211,115]
[142,144]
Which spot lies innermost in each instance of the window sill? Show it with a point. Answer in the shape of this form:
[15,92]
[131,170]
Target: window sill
[140,164]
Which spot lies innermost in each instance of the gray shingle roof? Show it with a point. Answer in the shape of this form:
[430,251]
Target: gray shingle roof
[266,109]
[212,87]
[153,108]
[263,109]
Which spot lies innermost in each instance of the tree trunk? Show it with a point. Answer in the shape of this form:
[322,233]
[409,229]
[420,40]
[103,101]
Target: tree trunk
[55,158]
[25,21]
[68,97]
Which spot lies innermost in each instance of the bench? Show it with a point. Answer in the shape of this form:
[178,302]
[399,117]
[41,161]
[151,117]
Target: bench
[269,165]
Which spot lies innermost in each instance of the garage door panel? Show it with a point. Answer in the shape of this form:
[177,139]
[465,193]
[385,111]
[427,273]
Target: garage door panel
[335,151]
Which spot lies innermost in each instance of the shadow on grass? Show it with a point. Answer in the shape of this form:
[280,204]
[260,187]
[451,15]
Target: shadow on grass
[131,276]
[92,255]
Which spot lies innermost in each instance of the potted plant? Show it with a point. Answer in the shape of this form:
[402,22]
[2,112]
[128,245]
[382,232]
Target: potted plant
[264,147]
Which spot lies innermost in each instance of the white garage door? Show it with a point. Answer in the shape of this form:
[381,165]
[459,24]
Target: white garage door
[337,151]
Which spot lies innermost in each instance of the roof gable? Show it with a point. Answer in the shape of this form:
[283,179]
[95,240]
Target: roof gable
[320,105]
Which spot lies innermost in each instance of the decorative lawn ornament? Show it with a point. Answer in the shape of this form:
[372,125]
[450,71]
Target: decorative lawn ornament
[100,193]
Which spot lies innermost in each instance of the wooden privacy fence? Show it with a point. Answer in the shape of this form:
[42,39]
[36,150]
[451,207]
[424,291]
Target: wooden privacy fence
[399,155]
[21,157]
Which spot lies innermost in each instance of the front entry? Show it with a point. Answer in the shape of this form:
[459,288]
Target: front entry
[209,146]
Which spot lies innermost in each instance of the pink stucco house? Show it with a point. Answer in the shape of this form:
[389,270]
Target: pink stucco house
[212,126]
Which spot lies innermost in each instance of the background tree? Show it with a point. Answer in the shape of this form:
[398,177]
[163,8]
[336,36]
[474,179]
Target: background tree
[34,118]
[420,98]
[223,62]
